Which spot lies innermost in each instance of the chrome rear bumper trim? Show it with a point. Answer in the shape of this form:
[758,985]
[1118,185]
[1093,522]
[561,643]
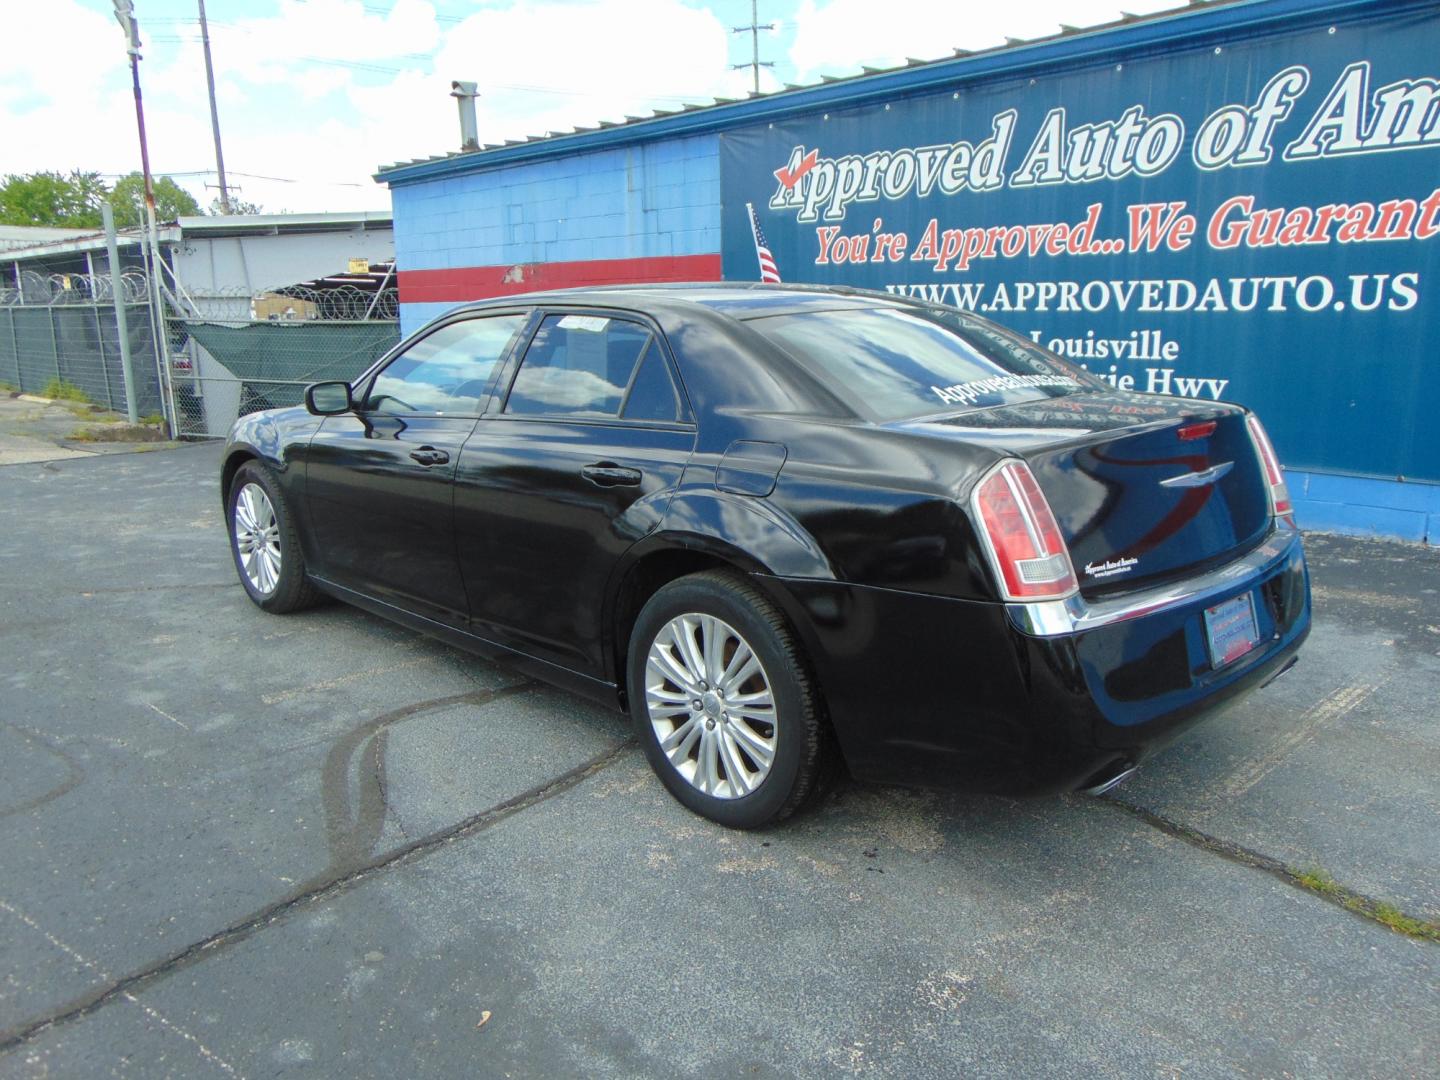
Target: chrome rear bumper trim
[1054,618]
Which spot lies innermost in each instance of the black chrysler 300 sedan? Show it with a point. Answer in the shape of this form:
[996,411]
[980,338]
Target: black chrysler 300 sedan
[781,524]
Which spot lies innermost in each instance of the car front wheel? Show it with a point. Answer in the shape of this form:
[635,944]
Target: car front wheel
[264,543]
[724,702]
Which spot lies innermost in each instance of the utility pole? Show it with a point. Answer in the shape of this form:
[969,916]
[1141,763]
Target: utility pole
[214,112]
[753,30]
[125,15]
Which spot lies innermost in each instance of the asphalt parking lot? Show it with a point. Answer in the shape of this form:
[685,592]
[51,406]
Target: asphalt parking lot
[233,844]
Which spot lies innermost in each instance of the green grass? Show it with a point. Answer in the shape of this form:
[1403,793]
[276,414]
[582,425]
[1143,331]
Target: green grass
[1387,914]
[154,419]
[117,432]
[60,390]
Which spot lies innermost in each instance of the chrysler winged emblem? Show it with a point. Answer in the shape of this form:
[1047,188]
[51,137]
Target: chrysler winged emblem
[1201,478]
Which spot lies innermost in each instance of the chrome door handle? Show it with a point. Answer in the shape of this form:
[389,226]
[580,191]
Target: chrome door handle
[608,474]
[428,455]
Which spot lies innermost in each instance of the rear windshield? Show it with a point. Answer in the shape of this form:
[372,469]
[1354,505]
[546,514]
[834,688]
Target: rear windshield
[893,364]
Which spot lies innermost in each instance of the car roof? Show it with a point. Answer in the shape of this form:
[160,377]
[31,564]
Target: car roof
[738,300]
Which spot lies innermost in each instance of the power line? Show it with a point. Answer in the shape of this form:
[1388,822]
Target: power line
[383,69]
[250,176]
[375,9]
[296,180]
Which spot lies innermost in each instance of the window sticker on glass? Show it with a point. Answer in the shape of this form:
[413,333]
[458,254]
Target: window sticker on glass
[593,324]
[968,393]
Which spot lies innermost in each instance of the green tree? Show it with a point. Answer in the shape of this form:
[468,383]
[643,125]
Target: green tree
[52,198]
[237,206]
[171,200]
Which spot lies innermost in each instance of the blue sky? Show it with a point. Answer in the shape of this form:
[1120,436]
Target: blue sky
[315,94]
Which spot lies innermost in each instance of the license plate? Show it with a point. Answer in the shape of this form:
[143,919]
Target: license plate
[1231,629]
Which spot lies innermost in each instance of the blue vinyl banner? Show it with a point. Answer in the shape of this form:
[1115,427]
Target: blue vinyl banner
[1258,222]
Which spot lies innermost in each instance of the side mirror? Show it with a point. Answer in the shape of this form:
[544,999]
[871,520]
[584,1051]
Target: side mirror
[328,398]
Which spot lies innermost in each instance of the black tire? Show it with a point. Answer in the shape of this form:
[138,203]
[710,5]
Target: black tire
[291,591]
[801,746]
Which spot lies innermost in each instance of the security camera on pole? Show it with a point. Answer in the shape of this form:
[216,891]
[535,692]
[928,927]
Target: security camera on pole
[125,15]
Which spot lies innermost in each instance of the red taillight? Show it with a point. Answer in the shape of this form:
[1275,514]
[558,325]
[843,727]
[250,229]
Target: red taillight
[1024,541]
[1279,493]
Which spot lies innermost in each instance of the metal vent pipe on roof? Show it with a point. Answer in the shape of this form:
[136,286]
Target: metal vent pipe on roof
[465,94]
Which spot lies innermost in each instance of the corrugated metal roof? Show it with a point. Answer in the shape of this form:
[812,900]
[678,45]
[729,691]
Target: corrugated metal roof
[15,237]
[83,241]
[205,227]
[240,224]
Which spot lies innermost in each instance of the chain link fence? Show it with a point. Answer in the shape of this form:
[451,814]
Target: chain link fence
[59,338]
[229,354]
[225,368]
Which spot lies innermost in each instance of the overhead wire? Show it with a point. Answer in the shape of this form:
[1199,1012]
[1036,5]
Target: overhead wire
[385,69]
[177,36]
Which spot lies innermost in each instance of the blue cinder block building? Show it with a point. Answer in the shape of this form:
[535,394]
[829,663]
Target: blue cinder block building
[1236,200]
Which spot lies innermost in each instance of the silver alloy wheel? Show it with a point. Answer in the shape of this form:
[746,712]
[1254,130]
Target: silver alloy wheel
[257,538]
[710,704]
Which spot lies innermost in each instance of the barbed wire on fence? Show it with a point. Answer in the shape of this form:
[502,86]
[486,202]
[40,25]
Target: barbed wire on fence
[297,303]
[58,290]
[293,303]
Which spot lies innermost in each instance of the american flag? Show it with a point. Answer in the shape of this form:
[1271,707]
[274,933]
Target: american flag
[768,270]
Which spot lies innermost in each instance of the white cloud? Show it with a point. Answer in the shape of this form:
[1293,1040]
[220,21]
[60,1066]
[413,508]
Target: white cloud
[92,42]
[85,118]
[63,116]
[304,31]
[837,37]
[614,57]
[324,91]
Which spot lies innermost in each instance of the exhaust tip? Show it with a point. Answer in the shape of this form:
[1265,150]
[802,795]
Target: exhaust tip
[1110,777]
[1283,671]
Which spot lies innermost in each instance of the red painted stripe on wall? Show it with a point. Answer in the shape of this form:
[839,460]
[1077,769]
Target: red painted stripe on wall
[480,282]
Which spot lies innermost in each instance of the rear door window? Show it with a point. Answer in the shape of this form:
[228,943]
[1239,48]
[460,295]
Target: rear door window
[585,365]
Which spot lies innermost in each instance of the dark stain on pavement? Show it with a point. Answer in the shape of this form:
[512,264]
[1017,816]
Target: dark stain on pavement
[75,774]
[353,829]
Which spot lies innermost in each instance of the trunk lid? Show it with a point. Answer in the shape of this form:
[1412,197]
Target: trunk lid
[1145,488]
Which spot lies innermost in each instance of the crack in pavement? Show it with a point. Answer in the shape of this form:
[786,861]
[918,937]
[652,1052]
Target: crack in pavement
[1342,896]
[110,590]
[117,589]
[126,987]
[351,840]
[149,1010]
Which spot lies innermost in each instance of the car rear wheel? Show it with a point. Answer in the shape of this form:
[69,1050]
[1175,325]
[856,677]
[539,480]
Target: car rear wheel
[724,702]
[264,543]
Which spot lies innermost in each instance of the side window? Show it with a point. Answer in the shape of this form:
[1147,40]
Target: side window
[652,393]
[577,365]
[445,373]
